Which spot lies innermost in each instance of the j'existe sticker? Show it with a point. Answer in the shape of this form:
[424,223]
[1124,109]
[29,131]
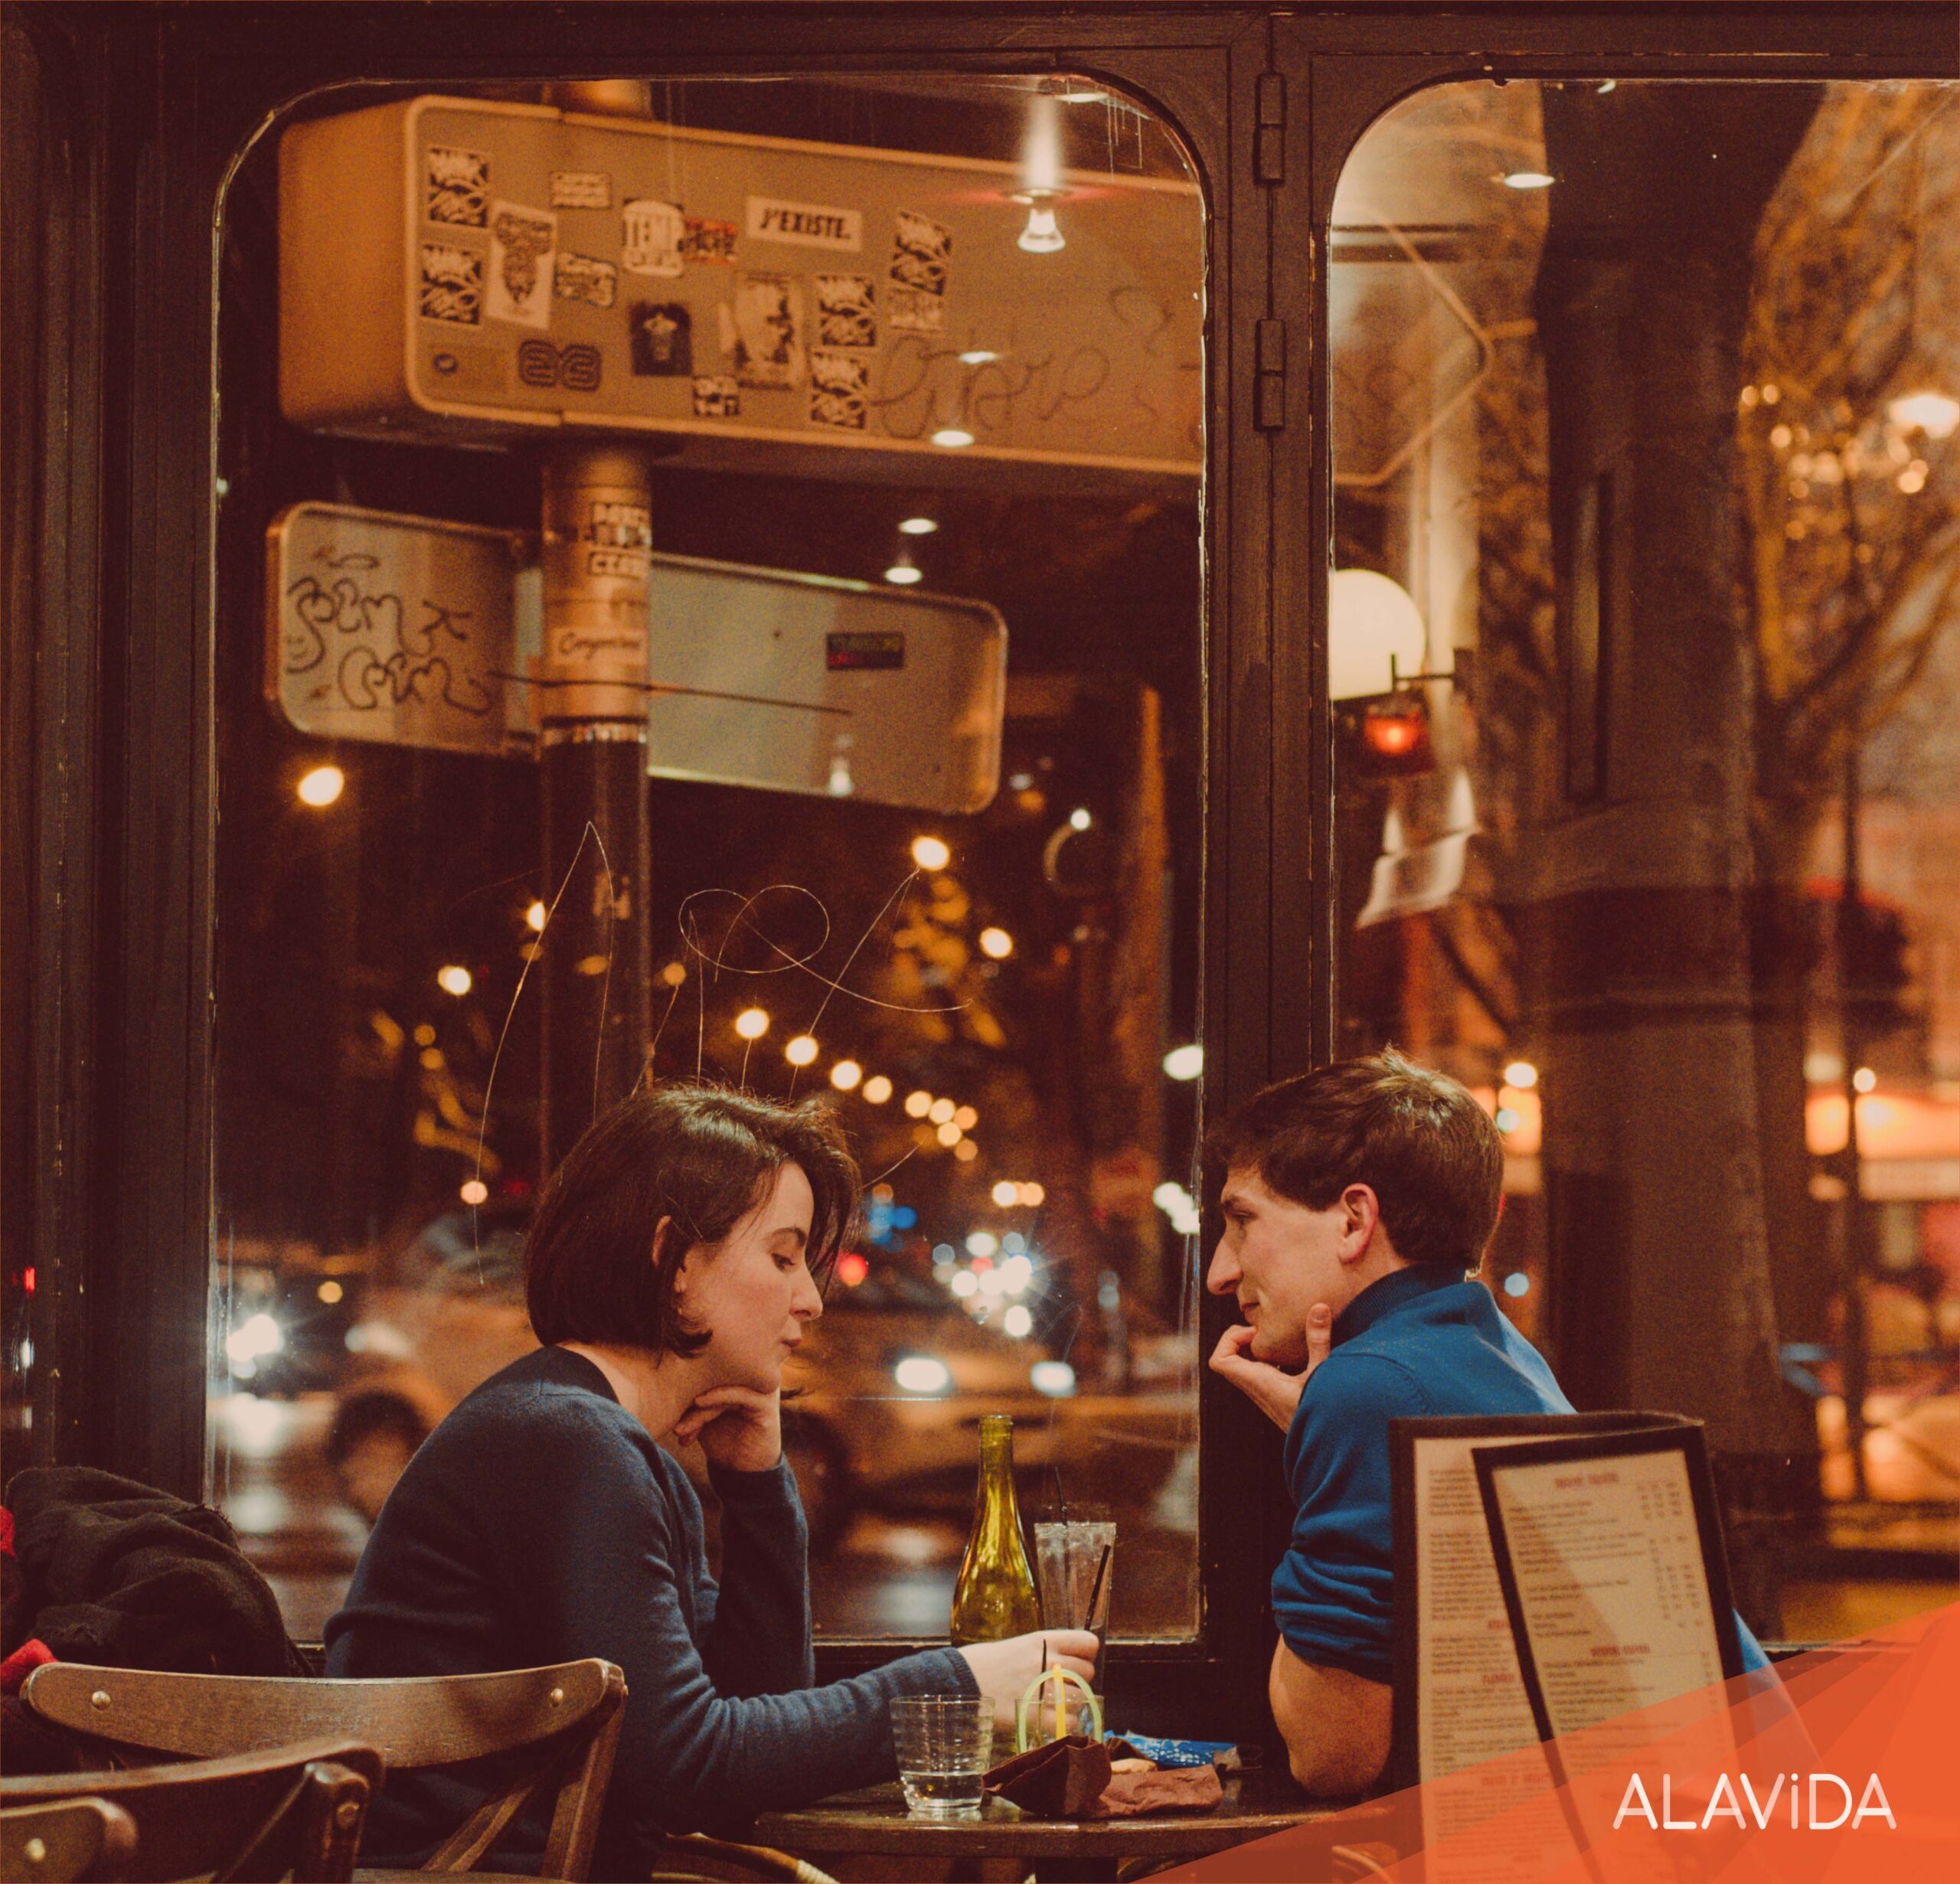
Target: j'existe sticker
[455,186]
[585,277]
[847,311]
[805,225]
[661,336]
[523,243]
[839,390]
[450,286]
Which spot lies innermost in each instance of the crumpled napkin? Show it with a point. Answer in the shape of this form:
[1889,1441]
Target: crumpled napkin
[1071,1778]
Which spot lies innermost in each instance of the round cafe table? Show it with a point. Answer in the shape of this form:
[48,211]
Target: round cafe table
[873,1823]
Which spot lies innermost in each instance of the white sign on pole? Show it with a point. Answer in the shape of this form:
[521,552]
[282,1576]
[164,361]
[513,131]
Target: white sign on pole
[410,632]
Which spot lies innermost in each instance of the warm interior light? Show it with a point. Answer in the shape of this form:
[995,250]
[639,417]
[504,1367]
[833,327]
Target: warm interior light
[1374,633]
[752,1024]
[931,854]
[1017,1321]
[903,571]
[453,979]
[953,436]
[917,1105]
[1006,1192]
[1184,1063]
[330,1292]
[1032,1195]
[996,942]
[939,1111]
[949,1135]
[966,1118]
[534,916]
[1041,237]
[979,357]
[474,1191]
[919,526]
[878,1089]
[1079,819]
[845,1075]
[1935,414]
[1528,180]
[852,1268]
[1522,1074]
[802,1050]
[966,1151]
[321,786]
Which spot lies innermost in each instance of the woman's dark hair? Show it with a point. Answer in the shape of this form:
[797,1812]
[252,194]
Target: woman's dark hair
[1429,1151]
[704,1157]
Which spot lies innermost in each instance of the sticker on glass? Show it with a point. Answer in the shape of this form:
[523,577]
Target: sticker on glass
[717,395]
[847,311]
[921,252]
[805,225]
[450,288]
[703,240]
[909,312]
[839,390]
[651,244]
[455,186]
[585,277]
[661,335]
[768,330]
[522,242]
[581,189]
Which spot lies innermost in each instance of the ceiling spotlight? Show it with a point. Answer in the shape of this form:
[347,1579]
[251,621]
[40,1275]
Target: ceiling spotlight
[534,916]
[474,1191]
[878,1089]
[321,786]
[454,980]
[1079,819]
[1184,1063]
[952,436]
[1528,180]
[917,1105]
[940,1111]
[931,854]
[921,526]
[996,943]
[802,1050]
[845,1075]
[903,571]
[1041,237]
[751,1022]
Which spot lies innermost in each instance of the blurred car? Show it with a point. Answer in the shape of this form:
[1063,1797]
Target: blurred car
[884,1400]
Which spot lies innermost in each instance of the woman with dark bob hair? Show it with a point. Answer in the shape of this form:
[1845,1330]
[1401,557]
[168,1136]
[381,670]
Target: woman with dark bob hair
[673,1264]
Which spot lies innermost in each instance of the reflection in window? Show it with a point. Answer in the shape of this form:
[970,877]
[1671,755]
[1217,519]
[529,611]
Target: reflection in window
[988,996]
[1645,652]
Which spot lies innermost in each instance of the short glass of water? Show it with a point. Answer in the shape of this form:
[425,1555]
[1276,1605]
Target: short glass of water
[945,1742]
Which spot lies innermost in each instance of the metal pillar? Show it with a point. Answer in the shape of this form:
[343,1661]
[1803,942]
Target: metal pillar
[592,694]
[591,683]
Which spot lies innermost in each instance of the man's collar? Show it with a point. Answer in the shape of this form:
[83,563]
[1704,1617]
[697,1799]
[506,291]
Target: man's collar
[1390,1292]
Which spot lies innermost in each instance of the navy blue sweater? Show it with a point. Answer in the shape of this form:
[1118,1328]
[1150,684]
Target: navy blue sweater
[541,1523]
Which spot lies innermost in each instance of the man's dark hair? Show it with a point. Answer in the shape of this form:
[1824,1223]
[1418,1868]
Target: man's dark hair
[700,1155]
[1427,1150]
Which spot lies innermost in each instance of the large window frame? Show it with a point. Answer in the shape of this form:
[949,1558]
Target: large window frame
[123,123]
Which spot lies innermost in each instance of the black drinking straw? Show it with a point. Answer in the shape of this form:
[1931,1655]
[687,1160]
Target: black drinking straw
[1095,1588]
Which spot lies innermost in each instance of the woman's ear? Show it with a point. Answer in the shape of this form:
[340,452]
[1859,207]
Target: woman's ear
[663,1249]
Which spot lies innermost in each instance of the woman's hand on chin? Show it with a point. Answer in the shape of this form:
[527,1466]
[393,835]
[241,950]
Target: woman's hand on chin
[739,1429]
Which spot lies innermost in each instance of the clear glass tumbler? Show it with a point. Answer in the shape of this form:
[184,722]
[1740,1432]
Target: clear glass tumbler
[945,1742]
[1068,1558]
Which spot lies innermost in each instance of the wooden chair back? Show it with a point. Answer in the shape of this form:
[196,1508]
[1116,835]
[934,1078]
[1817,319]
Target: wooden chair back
[566,1716]
[294,1812]
[72,1841]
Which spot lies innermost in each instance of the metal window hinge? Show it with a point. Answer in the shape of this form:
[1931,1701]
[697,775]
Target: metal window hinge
[1269,132]
[1270,376]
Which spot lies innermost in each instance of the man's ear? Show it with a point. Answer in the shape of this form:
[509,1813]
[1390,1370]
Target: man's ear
[1360,1214]
[666,1244]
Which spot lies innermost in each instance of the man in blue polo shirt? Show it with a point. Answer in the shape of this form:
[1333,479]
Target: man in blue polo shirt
[1357,1200]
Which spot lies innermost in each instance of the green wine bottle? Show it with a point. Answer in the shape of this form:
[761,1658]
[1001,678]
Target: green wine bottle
[994,1595]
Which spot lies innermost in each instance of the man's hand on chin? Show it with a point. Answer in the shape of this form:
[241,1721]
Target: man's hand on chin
[1272,1390]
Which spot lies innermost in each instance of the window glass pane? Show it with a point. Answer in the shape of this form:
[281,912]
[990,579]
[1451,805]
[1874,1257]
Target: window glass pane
[1645,635]
[945,342]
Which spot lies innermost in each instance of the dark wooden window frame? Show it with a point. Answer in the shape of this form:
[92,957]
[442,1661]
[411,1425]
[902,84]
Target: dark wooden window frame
[122,125]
